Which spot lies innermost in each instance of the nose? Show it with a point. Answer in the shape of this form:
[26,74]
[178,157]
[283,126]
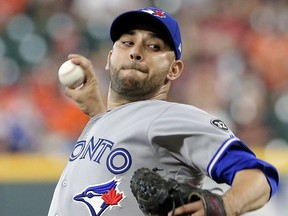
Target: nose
[136,56]
[136,53]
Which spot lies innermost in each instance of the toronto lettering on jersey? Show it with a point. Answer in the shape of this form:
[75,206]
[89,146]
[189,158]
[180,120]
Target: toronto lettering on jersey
[94,151]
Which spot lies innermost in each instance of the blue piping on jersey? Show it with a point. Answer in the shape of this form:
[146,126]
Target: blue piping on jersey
[234,156]
[218,154]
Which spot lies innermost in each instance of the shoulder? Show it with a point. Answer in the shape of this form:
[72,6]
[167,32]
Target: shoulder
[185,116]
[176,108]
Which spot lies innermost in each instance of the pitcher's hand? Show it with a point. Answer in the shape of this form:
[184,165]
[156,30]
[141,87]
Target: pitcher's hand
[88,96]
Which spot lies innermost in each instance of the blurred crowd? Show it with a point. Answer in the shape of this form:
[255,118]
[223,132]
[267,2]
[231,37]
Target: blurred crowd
[234,53]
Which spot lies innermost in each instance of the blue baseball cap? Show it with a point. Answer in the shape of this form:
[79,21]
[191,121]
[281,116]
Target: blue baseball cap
[151,17]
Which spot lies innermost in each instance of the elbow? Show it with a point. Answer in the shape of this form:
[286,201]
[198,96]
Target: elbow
[264,192]
[267,191]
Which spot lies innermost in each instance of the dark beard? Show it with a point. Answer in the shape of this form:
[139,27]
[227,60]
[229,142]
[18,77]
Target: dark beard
[131,87]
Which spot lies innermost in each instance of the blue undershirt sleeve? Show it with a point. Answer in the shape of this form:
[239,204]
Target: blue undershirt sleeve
[239,157]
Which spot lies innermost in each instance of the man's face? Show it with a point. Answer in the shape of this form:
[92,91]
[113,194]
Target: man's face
[139,63]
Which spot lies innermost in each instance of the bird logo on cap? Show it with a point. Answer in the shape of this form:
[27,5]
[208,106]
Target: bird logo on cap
[157,13]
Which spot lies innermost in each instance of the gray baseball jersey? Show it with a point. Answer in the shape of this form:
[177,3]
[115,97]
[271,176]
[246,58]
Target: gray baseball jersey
[179,140]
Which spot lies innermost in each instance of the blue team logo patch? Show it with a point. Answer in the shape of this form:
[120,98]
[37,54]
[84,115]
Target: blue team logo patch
[99,197]
[219,124]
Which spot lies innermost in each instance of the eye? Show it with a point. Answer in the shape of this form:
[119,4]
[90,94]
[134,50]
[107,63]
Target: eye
[154,47]
[127,43]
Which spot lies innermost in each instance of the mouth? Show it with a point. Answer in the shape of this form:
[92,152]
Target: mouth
[133,70]
[135,67]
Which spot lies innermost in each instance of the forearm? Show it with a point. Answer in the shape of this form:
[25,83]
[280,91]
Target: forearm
[250,190]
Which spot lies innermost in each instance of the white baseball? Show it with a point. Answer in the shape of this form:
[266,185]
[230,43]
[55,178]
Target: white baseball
[71,75]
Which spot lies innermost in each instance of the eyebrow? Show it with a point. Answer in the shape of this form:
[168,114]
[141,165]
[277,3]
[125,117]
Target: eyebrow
[151,34]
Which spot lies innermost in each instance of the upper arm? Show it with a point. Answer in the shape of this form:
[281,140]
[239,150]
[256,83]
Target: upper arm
[239,157]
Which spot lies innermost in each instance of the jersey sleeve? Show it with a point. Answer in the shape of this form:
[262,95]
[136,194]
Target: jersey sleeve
[205,145]
[234,156]
[189,134]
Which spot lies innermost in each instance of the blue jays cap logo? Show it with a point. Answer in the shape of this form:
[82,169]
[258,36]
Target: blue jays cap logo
[99,197]
[154,12]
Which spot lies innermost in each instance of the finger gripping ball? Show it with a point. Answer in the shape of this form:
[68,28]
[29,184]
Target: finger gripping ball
[70,74]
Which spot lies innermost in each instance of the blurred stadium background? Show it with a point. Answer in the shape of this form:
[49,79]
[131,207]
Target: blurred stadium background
[236,67]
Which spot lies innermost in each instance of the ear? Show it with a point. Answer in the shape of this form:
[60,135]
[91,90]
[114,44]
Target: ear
[176,70]
[107,67]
